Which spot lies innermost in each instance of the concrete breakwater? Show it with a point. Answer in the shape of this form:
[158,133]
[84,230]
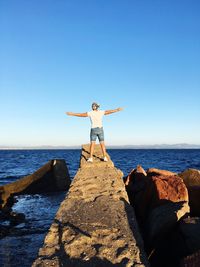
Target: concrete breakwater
[51,177]
[95,224]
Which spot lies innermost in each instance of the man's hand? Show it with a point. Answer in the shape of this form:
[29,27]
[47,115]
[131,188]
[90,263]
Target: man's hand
[77,114]
[107,112]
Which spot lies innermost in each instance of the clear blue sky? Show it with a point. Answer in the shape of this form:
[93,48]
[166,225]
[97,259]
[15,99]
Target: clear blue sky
[58,56]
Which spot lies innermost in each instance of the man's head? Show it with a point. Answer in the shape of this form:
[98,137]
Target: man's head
[95,106]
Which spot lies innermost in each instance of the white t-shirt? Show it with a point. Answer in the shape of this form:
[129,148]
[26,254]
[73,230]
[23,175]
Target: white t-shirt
[96,118]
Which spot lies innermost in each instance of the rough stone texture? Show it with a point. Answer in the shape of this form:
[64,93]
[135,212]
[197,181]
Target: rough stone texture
[190,230]
[191,177]
[154,172]
[194,200]
[162,220]
[95,224]
[137,184]
[97,158]
[136,176]
[191,260]
[148,192]
[53,176]
[170,188]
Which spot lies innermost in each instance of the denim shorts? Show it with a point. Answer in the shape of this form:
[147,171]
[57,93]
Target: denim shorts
[97,132]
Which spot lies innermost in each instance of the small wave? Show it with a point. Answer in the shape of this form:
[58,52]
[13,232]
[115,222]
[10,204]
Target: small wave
[11,177]
[196,166]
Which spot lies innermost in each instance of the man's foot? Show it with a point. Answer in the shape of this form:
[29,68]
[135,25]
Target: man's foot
[90,160]
[105,159]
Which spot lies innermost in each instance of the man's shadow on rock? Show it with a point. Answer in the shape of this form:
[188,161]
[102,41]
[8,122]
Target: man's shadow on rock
[88,153]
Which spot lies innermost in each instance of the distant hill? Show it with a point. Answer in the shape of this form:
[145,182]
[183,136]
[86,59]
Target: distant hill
[156,146]
[160,146]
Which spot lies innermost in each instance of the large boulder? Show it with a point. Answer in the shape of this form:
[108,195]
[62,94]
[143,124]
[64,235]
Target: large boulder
[191,260]
[190,230]
[136,179]
[137,183]
[168,188]
[191,177]
[169,203]
[194,200]
[163,219]
[160,201]
[147,192]
[155,172]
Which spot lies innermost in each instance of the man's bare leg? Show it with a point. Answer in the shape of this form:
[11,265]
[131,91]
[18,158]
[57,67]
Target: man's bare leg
[103,148]
[92,144]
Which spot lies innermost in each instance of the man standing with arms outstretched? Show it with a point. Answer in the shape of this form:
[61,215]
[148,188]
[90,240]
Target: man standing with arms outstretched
[96,116]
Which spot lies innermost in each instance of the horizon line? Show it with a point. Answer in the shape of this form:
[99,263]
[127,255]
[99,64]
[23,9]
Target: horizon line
[176,145]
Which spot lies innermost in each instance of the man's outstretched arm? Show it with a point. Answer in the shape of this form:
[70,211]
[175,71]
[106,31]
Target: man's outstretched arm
[77,114]
[107,112]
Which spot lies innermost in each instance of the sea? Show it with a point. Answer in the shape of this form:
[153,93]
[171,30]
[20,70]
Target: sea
[20,247]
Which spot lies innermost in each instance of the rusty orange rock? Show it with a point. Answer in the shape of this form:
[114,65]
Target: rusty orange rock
[169,188]
[155,172]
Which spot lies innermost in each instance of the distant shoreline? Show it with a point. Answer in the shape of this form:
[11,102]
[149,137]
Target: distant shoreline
[162,146]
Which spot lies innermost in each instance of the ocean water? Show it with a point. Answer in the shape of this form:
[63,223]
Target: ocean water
[21,246]
[15,164]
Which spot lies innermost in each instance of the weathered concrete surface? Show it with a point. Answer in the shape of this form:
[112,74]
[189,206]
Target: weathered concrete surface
[97,158]
[95,224]
[53,176]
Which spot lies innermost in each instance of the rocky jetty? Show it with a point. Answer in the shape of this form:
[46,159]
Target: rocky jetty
[95,224]
[51,177]
[167,209]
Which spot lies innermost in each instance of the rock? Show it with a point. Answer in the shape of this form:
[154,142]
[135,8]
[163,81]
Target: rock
[4,230]
[136,184]
[161,200]
[194,200]
[190,229]
[16,218]
[163,219]
[148,193]
[134,175]
[53,176]
[168,188]
[136,180]
[169,251]
[169,202]
[154,172]
[191,260]
[191,177]
[95,225]
[61,175]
